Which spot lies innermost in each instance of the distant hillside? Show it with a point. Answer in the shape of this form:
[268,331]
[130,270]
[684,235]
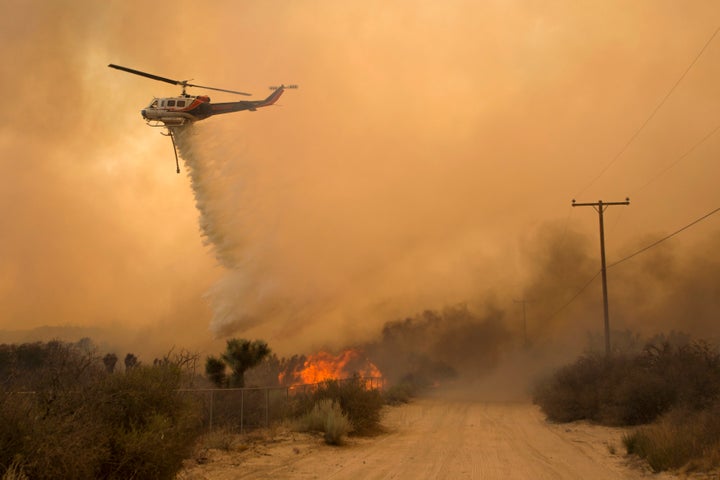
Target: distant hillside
[46,333]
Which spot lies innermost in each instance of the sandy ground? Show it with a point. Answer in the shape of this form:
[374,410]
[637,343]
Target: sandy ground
[435,439]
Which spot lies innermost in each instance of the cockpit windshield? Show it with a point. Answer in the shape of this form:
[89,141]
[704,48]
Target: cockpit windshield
[153,104]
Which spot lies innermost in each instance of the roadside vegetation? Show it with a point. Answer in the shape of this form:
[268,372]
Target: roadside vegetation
[670,391]
[337,408]
[68,411]
[63,414]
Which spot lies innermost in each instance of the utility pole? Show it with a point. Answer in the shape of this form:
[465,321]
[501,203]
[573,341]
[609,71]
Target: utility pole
[600,207]
[525,339]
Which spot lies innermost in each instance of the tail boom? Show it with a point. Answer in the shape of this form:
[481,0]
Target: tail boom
[229,107]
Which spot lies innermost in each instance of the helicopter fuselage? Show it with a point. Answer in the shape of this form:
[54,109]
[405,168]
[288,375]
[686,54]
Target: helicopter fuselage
[177,111]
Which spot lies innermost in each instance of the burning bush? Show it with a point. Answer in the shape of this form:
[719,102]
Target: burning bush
[324,366]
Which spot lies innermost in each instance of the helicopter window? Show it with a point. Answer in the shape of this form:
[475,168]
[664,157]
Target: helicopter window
[171,103]
[162,104]
[154,104]
[181,103]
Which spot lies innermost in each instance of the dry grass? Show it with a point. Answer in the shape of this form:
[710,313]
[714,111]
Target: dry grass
[220,439]
[680,439]
[14,472]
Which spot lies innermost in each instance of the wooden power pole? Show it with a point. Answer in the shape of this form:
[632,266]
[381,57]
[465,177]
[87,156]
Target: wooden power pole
[600,207]
[525,337]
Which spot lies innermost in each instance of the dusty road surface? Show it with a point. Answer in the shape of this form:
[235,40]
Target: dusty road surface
[438,439]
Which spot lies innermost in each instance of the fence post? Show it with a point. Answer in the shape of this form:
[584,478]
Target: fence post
[267,408]
[212,402]
[242,409]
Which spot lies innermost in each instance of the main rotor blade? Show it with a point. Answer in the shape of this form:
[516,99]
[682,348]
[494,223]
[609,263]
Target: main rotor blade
[217,89]
[182,83]
[148,75]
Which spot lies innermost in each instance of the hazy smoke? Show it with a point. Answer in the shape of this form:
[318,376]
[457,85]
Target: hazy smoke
[424,162]
[441,345]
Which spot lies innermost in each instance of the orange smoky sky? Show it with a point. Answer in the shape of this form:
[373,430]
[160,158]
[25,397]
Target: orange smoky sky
[429,158]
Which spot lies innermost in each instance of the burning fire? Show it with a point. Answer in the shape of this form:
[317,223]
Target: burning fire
[326,366]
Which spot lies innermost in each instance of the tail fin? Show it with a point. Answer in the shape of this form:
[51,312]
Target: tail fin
[276,94]
[273,96]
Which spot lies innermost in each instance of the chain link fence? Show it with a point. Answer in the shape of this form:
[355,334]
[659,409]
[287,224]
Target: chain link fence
[256,407]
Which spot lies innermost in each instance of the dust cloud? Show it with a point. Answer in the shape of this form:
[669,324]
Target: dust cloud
[428,160]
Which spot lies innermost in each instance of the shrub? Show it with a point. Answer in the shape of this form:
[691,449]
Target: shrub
[632,389]
[82,422]
[327,417]
[149,426]
[572,392]
[362,406]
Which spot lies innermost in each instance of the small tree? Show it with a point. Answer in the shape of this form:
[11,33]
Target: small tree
[241,355]
[131,361]
[215,370]
[109,361]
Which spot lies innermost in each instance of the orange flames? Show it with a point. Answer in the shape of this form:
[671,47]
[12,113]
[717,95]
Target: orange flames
[326,366]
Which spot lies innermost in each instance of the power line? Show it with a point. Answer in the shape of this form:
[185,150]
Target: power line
[648,247]
[574,297]
[665,238]
[652,114]
[682,157]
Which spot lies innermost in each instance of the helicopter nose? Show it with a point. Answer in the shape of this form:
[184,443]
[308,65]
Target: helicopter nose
[143,113]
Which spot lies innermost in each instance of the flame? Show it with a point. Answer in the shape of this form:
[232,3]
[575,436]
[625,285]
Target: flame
[324,366]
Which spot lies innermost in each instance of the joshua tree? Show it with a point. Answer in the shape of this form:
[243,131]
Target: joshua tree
[109,361]
[131,361]
[241,355]
[215,370]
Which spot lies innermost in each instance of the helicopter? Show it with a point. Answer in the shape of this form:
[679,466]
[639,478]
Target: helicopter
[174,112]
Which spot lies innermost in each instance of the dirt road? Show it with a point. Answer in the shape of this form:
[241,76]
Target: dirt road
[440,439]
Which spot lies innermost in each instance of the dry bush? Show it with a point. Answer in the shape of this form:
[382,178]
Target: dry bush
[362,406]
[80,421]
[47,419]
[571,393]
[632,389]
[149,426]
[327,417]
